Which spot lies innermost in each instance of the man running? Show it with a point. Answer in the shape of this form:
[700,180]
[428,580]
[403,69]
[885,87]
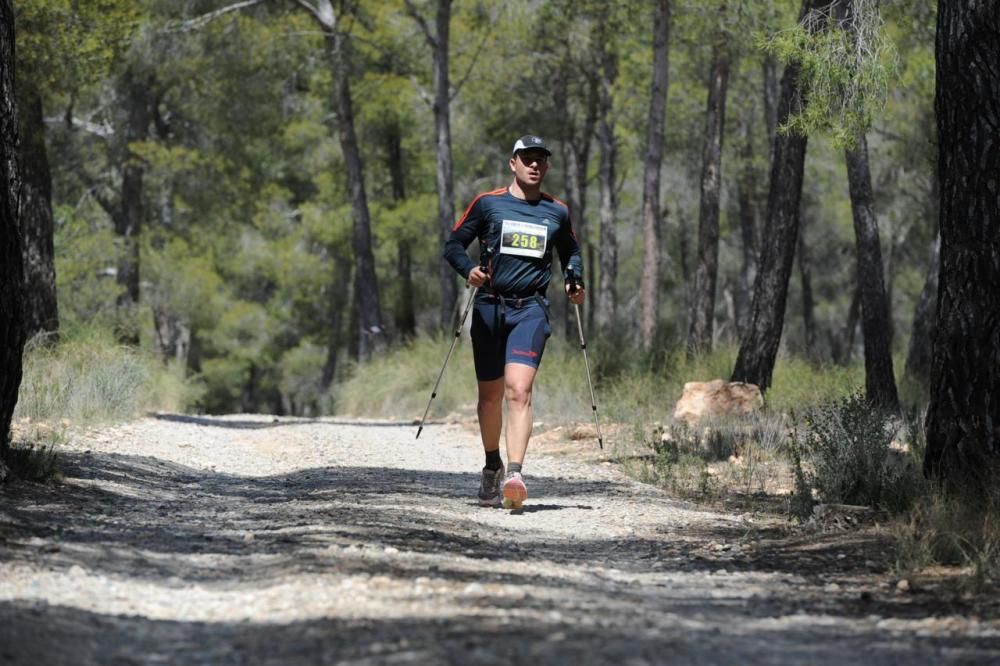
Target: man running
[518,226]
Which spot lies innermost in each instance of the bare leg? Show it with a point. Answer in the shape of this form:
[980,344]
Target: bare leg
[518,380]
[490,413]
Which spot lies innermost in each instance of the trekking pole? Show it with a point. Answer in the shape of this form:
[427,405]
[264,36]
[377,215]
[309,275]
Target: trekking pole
[575,283]
[484,258]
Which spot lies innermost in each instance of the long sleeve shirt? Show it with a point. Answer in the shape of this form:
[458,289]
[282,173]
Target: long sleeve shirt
[520,235]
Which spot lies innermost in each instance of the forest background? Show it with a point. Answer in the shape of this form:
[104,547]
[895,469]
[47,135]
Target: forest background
[208,205]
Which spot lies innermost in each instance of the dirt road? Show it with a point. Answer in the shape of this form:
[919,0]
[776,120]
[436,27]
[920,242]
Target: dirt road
[241,540]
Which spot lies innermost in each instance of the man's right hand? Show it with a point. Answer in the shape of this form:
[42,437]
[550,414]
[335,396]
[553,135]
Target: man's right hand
[477,277]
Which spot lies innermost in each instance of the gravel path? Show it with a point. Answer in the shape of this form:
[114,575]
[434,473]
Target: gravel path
[247,540]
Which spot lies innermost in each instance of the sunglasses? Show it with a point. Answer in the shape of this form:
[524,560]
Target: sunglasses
[528,158]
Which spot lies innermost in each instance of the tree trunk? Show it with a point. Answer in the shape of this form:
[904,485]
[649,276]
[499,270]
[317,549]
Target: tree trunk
[850,328]
[248,397]
[371,332]
[41,314]
[591,298]
[650,280]
[963,440]
[576,155]
[137,90]
[769,67]
[406,318]
[442,131]
[702,316]
[918,357]
[747,200]
[880,382]
[683,234]
[339,298]
[892,248]
[759,344]
[607,298]
[173,336]
[808,304]
[11,266]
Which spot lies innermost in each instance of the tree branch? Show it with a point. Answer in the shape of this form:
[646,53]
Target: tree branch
[418,17]
[421,92]
[468,72]
[203,20]
[109,207]
[322,11]
[103,130]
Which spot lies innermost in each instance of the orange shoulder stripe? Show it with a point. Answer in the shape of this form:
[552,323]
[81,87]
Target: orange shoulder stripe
[497,191]
[569,216]
[546,194]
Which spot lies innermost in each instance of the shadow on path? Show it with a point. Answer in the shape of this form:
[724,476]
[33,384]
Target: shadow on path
[277,422]
[140,518]
[73,636]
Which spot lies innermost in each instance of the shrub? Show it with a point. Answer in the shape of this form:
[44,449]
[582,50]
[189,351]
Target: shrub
[848,445]
[951,529]
[32,454]
[398,383]
[88,378]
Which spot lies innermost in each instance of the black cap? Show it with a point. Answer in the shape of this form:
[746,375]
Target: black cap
[530,142]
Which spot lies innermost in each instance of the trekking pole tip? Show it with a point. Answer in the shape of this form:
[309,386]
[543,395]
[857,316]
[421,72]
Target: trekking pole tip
[418,431]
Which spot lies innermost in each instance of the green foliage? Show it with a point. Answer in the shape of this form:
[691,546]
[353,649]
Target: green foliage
[87,378]
[848,446]
[85,259]
[951,530]
[947,525]
[34,459]
[846,65]
[248,227]
[399,383]
[797,383]
[183,282]
[801,502]
[300,384]
[63,45]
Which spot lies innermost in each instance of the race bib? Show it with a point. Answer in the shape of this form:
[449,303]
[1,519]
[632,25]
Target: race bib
[524,239]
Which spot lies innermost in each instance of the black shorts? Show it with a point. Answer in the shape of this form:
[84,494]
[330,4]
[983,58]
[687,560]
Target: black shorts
[508,333]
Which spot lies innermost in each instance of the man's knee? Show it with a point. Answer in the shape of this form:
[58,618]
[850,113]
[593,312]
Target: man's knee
[518,395]
[490,396]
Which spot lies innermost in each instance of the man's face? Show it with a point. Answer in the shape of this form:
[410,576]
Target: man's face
[529,166]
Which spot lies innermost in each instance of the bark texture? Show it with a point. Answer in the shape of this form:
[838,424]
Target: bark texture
[880,381]
[842,342]
[769,69]
[747,200]
[338,303]
[918,356]
[137,91]
[576,156]
[11,267]
[406,317]
[41,314]
[759,343]
[805,279]
[650,278]
[442,131]
[607,297]
[963,418]
[370,331]
[702,317]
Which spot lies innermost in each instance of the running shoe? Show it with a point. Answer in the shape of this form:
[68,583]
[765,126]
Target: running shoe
[489,486]
[514,491]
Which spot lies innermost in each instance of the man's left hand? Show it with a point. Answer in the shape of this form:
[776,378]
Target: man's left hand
[576,296]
